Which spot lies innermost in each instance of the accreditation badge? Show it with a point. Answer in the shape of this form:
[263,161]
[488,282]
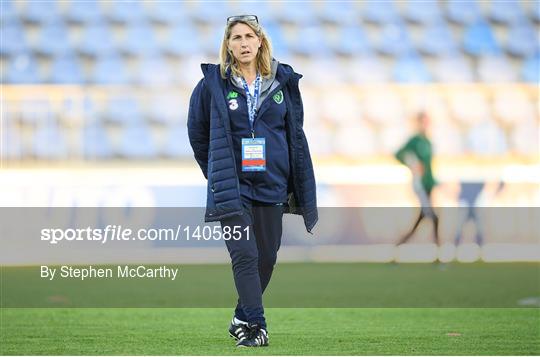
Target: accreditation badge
[253,154]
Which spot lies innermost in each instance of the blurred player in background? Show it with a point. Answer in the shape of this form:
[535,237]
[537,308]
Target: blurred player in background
[417,154]
[473,196]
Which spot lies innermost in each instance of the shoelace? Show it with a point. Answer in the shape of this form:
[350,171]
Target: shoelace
[257,333]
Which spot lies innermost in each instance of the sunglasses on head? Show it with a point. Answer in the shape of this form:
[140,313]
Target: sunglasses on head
[242,18]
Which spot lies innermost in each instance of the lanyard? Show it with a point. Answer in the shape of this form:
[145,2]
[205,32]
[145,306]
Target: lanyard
[252,101]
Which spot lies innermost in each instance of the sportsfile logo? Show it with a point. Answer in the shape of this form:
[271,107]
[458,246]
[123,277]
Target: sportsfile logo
[122,234]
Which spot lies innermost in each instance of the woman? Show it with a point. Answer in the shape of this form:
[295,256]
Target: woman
[245,127]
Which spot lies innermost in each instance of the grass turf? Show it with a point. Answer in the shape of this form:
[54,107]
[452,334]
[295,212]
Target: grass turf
[315,309]
[293,285]
[309,331]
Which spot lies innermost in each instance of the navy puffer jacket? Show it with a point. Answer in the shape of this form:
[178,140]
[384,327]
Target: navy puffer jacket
[210,137]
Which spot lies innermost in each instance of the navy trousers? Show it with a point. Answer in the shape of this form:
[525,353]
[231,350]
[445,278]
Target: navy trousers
[253,259]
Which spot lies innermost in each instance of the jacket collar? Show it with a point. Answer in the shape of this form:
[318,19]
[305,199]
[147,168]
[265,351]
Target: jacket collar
[212,74]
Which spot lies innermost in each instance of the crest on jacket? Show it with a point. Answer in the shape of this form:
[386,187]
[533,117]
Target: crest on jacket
[278,97]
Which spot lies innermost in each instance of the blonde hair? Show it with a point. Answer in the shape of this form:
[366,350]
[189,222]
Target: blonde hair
[264,55]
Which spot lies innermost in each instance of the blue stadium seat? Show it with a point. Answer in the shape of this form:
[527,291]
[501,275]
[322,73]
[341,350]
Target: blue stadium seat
[463,12]
[123,111]
[380,12]
[263,9]
[8,11]
[531,69]
[177,142]
[437,40]
[54,39]
[212,43]
[394,39]
[369,69]
[487,139]
[523,39]
[13,38]
[299,13]
[168,110]
[423,12]
[479,39]
[33,111]
[343,13]
[277,37]
[351,41]
[154,70]
[49,143]
[66,69]
[137,142]
[110,69]
[535,13]
[41,11]
[97,40]
[211,12]
[310,41]
[140,40]
[453,69]
[169,12]
[506,11]
[96,143]
[22,69]
[183,39]
[84,11]
[496,69]
[127,11]
[10,139]
[410,69]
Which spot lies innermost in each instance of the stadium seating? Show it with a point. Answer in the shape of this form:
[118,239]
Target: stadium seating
[66,70]
[380,12]
[54,39]
[97,40]
[96,143]
[438,40]
[110,69]
[22,68]
[496,69]
[175,43]
[424,12]
[40,11]
[394,39]
[344,13]
[137,142]
[126,11]
[530,70]
[13,38]
[140,41]
[84,12]
[480,40]
[507,12]
[46,134]
[123,111]
[411,69]
[522,40]
[138,62]
[463,12]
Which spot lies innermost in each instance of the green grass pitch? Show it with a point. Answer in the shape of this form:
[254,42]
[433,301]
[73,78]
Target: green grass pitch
[462,309]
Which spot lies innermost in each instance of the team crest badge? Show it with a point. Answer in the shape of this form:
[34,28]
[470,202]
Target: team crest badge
[232,95]
[278,97]
[233,104]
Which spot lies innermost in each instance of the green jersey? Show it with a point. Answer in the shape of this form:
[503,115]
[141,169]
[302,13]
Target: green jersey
[419,148]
